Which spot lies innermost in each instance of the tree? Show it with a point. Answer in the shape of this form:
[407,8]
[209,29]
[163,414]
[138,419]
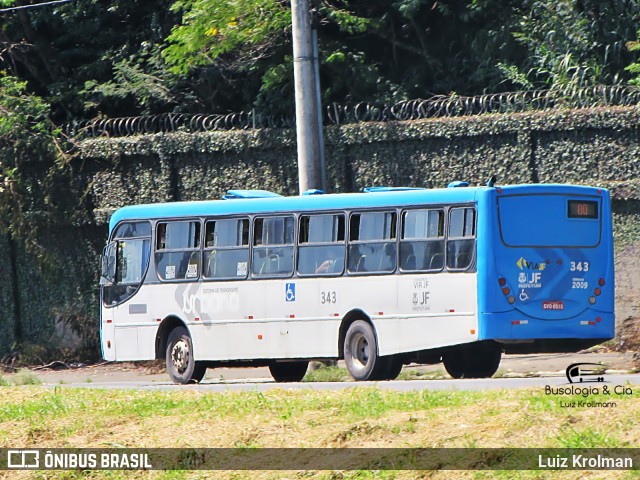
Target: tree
[572,44]
[382,51]
[57,49]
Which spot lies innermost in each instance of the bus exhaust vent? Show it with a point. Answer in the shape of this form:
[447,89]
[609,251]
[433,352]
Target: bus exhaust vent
[389,189]
[237,194]
[458,183]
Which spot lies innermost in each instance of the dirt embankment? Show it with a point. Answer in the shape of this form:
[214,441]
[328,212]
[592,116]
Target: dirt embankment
[628,298]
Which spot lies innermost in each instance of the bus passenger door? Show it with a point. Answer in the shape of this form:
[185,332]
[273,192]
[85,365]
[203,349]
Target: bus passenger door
[107,279]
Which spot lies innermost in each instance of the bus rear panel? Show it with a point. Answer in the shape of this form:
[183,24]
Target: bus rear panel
[548,283]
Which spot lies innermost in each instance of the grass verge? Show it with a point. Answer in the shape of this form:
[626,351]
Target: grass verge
[32,416]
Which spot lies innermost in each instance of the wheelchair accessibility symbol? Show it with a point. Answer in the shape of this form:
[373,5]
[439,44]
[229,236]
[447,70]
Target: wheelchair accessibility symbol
[290,292]
[523,296]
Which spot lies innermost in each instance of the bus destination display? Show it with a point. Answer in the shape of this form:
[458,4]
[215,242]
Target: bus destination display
[583,209]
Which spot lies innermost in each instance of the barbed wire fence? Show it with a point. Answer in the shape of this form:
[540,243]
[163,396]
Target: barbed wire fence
[438,106]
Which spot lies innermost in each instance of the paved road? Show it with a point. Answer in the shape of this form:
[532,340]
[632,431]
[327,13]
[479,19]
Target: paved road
[549,367]
[398,385]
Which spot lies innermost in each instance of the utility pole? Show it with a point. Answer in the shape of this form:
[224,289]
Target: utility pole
[310,168]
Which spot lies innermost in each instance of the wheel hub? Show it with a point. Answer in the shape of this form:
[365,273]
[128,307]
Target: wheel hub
[360,350]
[180,356]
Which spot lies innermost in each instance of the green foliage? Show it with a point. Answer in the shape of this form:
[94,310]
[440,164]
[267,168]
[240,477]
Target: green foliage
[22,377]
[379,52]
[20,110]
[326,373]
[126,57]
[26,377]
[27,143]
[634,68]
[572,44]
[142,80]
[238,31]
[78,42]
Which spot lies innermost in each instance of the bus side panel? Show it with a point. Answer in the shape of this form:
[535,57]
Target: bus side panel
[490,297]
[136,323]
[265,319]
[433,311]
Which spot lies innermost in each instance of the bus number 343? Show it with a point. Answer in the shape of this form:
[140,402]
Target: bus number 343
[580,266]
[327,297]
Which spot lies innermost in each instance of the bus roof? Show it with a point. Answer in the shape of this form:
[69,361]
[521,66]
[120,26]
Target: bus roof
[380,197]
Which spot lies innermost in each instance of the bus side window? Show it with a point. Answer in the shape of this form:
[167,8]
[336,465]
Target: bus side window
[422,241]
[178,250]
[461,240]
[226,253]
[372,242]
[273,246]
[321,244]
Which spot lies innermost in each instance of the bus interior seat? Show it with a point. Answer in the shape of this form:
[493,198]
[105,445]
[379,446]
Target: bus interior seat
[360,264]
[462,260]
[437,261]
[388,257]
[259,261]
[194,259]
[407,257]
[211,265]
[271,264]
[410,262]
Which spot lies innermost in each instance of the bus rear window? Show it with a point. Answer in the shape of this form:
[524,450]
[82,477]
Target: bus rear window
[549,221]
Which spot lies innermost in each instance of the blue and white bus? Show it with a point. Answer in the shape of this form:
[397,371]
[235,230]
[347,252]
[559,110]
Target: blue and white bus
[380,279]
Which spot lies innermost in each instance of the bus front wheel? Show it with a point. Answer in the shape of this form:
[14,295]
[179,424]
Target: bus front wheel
[288,371]
[476,360]
[181,366]
[361,352]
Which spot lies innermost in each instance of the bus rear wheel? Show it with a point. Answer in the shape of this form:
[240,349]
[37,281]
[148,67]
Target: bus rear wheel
[476,360]
[361,353]
[288,371]
[181,366]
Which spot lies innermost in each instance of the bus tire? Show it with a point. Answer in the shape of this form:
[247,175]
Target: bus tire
[477,360]
[392,367]
[485,360]
[361,352]
[288,371]
[181,366]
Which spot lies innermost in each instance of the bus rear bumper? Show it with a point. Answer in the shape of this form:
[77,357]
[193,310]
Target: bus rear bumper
[522,334]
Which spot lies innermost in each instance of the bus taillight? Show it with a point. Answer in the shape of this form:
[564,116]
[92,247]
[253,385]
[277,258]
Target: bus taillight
[601,282]
[506,290]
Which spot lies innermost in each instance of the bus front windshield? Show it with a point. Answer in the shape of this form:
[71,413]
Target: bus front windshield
[132,259]
[124,264]
[549,221]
